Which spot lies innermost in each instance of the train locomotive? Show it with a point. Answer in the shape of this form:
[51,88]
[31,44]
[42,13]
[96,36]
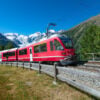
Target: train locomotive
[56,48]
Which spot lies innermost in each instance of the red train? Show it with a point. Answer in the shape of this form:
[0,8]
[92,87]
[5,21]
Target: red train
[56,48]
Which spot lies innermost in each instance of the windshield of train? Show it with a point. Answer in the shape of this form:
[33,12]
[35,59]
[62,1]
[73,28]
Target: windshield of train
[67,42]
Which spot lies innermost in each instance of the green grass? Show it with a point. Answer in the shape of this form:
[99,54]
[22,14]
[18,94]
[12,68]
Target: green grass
[23,84]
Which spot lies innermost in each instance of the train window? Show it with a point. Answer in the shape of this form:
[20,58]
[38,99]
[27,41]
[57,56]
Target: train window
[57,45]
[11,53]
[43,47]
[5,54]
[67,42]
[51,46]
[37,49]
[40,48]
[23,52]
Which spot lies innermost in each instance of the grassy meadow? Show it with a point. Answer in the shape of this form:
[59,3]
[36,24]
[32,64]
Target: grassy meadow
[23,84]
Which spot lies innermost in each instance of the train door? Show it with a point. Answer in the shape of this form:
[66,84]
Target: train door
[31,58]
[0,57]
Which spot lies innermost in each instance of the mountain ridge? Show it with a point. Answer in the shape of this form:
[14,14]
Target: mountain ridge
[77,32]
[24,40]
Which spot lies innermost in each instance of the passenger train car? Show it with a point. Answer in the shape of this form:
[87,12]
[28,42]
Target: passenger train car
[9,55]
[56,48]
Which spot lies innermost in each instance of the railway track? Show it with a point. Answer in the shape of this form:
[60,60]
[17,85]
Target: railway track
[86,68]
[82,77]
[94,62]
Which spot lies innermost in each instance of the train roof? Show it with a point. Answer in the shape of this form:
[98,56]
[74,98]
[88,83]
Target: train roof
[8,50]
[45,38]
[3,51]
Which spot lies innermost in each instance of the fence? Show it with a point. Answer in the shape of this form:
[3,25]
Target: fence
[93,56]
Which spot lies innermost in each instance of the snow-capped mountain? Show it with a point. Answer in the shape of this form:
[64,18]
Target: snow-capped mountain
[4,41]
[24,40]
[21,40]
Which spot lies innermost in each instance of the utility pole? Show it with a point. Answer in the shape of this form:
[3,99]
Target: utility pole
[47,29]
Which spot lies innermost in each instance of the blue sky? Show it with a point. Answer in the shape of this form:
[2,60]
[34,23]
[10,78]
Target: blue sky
[29,16]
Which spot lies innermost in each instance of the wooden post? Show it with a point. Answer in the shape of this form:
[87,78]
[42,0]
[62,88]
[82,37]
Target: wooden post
[11,64]
[23,64]
[39,67]
[17,64]
[55,73]
[93,57]
[30,65]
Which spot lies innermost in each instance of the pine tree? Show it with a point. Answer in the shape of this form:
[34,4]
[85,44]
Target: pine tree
[1,47]
[90,42]
[9,45]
